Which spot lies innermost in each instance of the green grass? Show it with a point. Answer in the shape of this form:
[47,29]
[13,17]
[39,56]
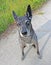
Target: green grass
[19,6]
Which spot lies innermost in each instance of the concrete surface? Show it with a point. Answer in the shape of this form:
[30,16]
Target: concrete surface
[10,52]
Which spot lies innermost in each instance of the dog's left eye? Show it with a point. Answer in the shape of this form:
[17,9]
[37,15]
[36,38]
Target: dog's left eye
[27,23]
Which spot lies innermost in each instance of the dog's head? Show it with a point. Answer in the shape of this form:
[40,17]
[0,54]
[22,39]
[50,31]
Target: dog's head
[24,22]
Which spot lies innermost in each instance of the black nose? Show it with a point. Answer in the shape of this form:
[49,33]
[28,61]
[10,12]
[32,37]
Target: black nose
[24,33]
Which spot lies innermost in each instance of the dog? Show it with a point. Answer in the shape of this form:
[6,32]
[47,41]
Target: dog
[26,33]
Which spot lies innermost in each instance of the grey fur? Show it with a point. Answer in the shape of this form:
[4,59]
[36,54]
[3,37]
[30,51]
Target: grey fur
[26,33]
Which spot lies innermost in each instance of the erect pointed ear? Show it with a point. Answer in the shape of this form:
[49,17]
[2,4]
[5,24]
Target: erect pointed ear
[15,16]
[29,12]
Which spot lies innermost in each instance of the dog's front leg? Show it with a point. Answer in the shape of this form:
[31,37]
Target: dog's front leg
[22,51]
[22,47]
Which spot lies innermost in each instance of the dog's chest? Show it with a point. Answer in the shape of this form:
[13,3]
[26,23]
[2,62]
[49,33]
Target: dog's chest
[26,39]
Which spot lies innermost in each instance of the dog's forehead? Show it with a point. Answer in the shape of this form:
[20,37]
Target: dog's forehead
[23,18]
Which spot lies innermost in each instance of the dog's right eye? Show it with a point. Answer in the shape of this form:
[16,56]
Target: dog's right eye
[18,24]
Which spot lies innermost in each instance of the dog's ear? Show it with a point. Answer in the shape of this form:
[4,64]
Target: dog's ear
[29,12]
[15,16]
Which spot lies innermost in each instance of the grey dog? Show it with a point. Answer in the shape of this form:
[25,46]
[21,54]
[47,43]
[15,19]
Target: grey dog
[26,33]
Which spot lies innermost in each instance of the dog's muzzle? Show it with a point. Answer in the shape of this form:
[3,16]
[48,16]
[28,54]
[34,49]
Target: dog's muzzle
[24,33]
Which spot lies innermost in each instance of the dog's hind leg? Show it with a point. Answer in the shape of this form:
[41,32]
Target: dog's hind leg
[35,45]
[37,48]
